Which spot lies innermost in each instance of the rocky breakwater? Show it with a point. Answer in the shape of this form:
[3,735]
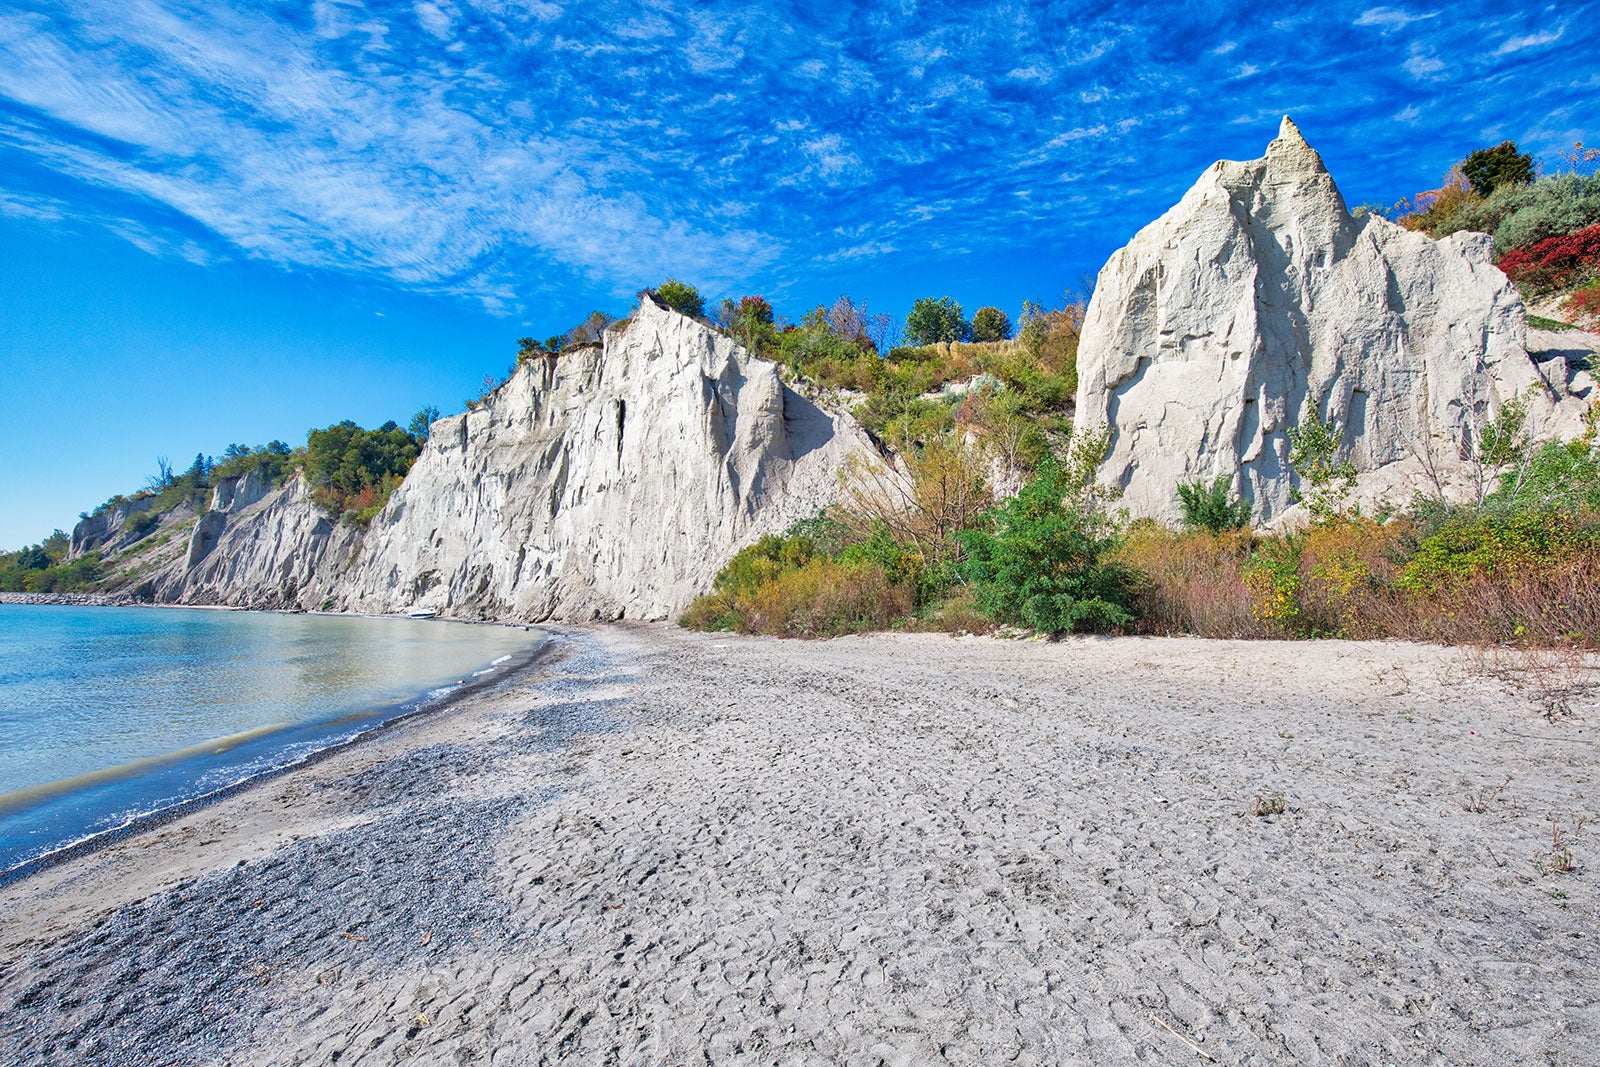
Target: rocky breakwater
[1258,298]
[612,481]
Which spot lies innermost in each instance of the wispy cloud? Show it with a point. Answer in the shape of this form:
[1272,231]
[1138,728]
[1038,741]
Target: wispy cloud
[497,148]
[1530,40]
[1391,19]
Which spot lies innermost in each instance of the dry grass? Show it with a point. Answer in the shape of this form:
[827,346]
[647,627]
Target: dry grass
[1343,580]
[820,599]
[1195,582]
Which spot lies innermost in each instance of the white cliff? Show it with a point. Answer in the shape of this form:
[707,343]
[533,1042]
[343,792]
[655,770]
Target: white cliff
[612,481]
[1259,295]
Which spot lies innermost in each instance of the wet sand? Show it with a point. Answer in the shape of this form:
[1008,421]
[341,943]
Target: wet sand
[661,847]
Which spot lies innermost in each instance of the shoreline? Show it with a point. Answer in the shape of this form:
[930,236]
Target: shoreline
[469,688]
[651,845]
[101,600]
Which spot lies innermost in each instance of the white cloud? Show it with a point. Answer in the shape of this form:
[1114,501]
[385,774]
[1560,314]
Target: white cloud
[434,19]
[1532,40]
[245,129]
[1390,19]
[1423,65]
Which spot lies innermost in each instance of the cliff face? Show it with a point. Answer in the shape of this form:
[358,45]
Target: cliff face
[610,482]
[1258,294]
[281,551]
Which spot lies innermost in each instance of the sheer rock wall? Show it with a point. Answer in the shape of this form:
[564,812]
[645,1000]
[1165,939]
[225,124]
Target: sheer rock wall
[612,481]
[1257,295]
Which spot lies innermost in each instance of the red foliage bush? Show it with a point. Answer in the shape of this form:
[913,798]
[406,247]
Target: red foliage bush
[1584,306]
[1556,261]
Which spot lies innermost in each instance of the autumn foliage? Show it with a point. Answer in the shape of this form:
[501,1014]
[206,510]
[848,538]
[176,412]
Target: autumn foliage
[1556,262]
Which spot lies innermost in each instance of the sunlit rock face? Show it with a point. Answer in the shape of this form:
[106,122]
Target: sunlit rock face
[612,481]
[1259,295]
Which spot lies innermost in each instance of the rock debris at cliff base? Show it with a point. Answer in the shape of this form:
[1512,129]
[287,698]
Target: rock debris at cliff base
[672,847]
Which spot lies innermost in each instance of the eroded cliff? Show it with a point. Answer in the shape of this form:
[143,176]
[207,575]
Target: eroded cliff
[1259,294]
[612,481]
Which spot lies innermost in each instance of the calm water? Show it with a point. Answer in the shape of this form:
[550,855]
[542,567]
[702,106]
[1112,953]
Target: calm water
[107,714]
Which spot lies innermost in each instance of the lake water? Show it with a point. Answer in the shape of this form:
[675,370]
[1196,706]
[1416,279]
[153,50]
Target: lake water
[108,714]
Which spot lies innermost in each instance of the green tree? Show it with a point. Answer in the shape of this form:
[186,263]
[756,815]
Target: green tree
[351,469]
[990,324]
[199,470]
[590,331]
[681,297]
[1490,168]
[422,421]
[1212,507]
[1042,560]
[32,558]
[1326,481]
[937,320]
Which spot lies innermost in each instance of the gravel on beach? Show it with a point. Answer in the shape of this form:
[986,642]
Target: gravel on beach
[653,846]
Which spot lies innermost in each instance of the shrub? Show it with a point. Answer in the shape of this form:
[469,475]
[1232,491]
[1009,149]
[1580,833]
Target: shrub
[1489,546]
[1214,507]
[272,459]
[1556,476]
[1584,305]
[681,297]
[826,599]
[1043,563]
[990,324]
[1431,210]
[1547,208]
[816,598]
[1556,262]
[936,321]
[754,565]
[1192,581]
[1324,481]
[1490,168]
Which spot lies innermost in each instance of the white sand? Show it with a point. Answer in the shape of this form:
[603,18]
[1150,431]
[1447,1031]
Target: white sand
[676,848]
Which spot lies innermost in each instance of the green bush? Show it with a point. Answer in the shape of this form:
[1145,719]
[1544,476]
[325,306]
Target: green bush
[1557,476]
[681,297]
[782,585]
[1529,543]
[755,565]
[937,321]
[1045,564]
[1520,215]
[1489,169]
[1213,507]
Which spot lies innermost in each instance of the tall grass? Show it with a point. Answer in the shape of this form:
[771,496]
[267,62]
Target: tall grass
[1532,581]
[820,598]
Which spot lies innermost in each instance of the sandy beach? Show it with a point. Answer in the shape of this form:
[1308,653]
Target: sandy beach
[658,847]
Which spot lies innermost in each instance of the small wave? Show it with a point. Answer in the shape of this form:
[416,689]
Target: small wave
[33,794]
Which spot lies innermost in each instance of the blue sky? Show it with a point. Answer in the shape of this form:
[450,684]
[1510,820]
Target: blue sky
[233,221]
